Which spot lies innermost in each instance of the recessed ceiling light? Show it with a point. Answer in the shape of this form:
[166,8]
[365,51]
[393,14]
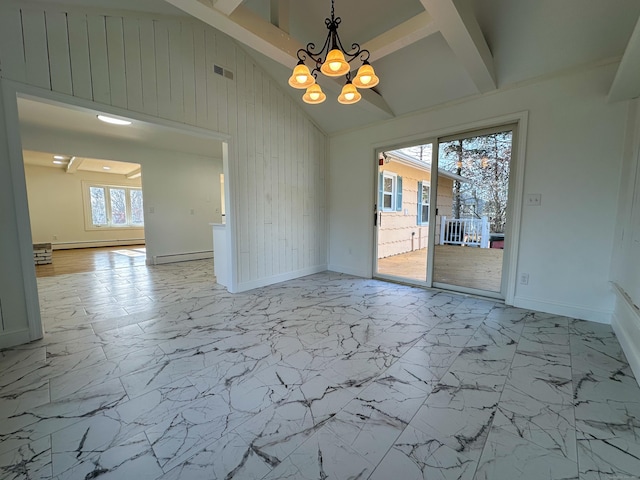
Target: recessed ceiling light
[113,121]
[58,162]
[106,168]
[59,157]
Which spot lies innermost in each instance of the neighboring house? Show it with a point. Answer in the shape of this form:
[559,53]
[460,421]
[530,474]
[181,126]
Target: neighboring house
[403,197]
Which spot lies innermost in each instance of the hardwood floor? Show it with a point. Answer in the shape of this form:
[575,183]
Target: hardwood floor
[92,259]
[479,268]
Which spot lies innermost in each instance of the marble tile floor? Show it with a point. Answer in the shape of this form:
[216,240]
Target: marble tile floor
[157,373]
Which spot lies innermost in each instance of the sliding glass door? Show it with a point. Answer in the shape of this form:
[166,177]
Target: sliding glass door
[448,226]
[403,212]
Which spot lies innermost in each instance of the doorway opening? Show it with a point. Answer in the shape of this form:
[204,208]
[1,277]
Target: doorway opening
[182,197]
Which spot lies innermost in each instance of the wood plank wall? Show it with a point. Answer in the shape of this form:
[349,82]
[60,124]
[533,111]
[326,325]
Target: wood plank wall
[163,66]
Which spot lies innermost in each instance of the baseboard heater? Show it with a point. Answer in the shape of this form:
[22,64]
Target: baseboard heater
[180,257]
[97,243]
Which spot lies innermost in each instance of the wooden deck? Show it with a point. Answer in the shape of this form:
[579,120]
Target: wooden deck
[470,267]
[81,260]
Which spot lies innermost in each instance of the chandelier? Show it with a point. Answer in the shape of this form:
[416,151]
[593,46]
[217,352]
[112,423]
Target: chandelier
[333,61]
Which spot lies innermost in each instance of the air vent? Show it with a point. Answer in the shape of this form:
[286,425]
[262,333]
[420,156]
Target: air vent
[218,70]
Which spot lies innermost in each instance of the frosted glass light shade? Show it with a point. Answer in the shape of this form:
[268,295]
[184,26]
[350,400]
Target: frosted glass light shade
[314,95]
[366,77]
[349,94]
[335,65]
[301,77]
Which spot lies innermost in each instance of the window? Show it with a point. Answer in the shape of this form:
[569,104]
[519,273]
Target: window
[424,190]
[113,207]
[390,192]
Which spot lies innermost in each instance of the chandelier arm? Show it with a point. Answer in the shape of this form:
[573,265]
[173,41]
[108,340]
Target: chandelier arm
[364,55]
[310,52]
[354,46]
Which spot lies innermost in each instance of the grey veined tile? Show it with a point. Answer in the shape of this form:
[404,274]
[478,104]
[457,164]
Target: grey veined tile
[416,455]
[508,456]
[156,372]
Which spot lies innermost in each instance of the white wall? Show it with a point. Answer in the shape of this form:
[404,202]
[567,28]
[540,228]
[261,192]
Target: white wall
[57,211]
[163,67]
[573,159]
[173,184]
[625,270]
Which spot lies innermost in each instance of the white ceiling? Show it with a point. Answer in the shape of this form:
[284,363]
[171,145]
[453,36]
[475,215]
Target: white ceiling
[66,120]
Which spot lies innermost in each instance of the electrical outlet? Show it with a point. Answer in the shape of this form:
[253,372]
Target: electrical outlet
[534,199]
[524,279]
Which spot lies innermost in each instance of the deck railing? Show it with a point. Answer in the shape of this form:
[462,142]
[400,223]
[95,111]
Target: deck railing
[464,231]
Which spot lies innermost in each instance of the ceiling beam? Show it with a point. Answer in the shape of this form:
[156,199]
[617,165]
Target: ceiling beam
[626,84]
[280,14]
[459,27]
[252,30]
[227,6]
[400,36]
[74,163]
[134,173]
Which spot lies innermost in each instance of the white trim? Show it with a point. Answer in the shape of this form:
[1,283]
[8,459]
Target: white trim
[34,320]
[564,309]
[263,282]
[18,337]
[180,257]
[514,216]
[626,324]
[394,190]
[424,183]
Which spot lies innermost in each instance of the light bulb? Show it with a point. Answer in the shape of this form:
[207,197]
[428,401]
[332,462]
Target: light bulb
[314,95]
[301,78]
[365,79]
[349,96]
[335,66]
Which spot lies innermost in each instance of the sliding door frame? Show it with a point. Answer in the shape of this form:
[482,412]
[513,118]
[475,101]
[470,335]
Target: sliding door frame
[519,122]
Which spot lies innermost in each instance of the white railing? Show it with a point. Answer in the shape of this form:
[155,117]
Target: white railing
[464,231]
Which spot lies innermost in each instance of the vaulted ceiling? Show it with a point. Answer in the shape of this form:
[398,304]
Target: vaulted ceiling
[430,52]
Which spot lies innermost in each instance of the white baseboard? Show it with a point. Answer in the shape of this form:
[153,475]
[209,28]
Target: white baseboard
[179,257]
[626,324]
[11,339]
[283,277]
[99,243]
[573,311]
[356,272]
